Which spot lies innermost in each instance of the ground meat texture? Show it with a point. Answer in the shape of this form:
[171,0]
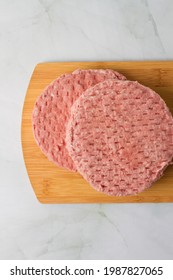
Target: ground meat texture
[97,73]
[120,137]
[52,110]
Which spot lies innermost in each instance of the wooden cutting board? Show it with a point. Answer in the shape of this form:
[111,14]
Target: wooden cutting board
[55,185]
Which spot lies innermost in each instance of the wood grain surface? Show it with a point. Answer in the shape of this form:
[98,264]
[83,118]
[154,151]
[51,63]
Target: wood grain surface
[55,185]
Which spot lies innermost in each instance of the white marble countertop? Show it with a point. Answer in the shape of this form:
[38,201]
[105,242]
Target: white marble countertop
[73,30]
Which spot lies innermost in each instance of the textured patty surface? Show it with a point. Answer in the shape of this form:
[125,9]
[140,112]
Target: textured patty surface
[120,137]
[52,110]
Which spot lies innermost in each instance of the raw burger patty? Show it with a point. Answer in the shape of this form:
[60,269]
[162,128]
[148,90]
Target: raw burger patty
[52,110]
[120,137]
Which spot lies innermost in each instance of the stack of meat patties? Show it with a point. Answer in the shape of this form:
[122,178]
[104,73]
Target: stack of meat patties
[117,134]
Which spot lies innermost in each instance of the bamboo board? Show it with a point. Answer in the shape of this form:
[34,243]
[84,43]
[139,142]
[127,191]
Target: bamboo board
[55,185]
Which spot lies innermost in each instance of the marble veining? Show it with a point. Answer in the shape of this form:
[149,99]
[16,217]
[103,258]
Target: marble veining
[48,30]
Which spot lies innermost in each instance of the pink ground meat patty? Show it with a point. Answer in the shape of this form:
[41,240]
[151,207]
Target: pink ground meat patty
[120,137]
[52,110]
